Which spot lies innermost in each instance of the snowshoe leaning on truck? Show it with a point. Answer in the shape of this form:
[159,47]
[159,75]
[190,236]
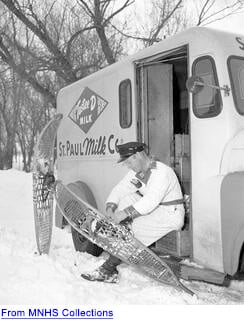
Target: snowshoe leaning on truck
[43,180]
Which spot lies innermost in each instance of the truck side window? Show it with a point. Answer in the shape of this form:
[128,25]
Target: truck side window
[125,104]
[236,72]
[207,102]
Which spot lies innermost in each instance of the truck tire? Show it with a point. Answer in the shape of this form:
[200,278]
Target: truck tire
[82,244]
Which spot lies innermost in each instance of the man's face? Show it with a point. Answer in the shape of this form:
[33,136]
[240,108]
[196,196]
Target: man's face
[134,162]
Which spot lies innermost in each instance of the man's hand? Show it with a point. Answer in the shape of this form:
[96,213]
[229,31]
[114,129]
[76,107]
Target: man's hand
[109,213]
[119,216]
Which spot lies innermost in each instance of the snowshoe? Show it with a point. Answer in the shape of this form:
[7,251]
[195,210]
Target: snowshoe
[102,275]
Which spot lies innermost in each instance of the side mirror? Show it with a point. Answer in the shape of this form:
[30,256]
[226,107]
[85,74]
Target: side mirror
[195,84]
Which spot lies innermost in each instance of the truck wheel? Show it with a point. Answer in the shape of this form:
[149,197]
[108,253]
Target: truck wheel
[80,242]
[83,245]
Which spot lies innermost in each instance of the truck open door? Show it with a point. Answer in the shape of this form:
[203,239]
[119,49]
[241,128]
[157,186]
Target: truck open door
[155,109]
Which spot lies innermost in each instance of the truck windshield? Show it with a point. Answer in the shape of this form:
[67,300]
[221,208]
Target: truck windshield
[236,72]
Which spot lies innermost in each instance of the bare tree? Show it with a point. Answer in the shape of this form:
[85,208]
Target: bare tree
[22,116]
[48,45]
[56,28]
[209,11]
[3,121]
[101,15]
[21,50]
[164,18]
[31,120]
[9,108]
[28,15]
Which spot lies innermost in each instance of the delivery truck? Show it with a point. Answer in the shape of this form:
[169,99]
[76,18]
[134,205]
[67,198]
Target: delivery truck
[184,98]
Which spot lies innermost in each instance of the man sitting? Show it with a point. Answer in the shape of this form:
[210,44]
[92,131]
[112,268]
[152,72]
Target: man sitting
[149,196]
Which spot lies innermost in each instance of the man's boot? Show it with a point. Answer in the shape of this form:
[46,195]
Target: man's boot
[107,272]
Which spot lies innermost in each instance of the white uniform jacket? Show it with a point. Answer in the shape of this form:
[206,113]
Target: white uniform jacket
[159,184]
[147,192]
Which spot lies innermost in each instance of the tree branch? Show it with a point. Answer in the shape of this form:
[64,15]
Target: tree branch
[203,17]
[7,58]
[125,5]
[40,31]
[87,9]
[73,37]
[164,21]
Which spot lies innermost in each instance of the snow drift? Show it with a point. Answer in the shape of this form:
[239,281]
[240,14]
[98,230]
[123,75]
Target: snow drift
[29,279]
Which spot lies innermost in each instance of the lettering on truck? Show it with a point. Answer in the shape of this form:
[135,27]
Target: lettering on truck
[89,147]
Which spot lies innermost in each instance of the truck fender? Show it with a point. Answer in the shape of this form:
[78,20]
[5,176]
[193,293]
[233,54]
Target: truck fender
[232,219]
[81,243]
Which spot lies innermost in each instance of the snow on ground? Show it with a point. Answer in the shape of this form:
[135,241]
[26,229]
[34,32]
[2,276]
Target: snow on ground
[29,279]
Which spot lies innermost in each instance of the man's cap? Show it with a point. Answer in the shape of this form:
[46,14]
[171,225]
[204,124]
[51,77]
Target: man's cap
[126,150]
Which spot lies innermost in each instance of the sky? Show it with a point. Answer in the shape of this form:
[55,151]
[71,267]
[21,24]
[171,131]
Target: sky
[233,23]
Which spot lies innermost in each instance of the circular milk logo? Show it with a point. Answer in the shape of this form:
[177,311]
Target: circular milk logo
[87,109]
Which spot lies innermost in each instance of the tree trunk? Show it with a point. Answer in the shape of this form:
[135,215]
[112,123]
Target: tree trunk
[9,153]
[105,46]
[1,160]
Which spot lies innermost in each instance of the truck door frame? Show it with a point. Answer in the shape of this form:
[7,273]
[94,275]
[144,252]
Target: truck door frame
[172,57]
[180,59]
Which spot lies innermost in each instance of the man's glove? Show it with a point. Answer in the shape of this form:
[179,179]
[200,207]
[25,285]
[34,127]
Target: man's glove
[109,213]
[110,208]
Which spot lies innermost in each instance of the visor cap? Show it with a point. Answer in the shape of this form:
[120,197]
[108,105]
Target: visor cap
[128,149]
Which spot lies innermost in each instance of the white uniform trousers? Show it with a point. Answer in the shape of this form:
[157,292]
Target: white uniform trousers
[153,226]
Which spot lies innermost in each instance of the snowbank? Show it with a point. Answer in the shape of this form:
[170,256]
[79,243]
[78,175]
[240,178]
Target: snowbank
[30,279]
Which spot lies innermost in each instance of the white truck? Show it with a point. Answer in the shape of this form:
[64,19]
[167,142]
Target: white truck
[199,132]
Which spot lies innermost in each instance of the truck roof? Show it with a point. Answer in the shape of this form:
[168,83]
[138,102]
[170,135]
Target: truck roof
[201,39]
